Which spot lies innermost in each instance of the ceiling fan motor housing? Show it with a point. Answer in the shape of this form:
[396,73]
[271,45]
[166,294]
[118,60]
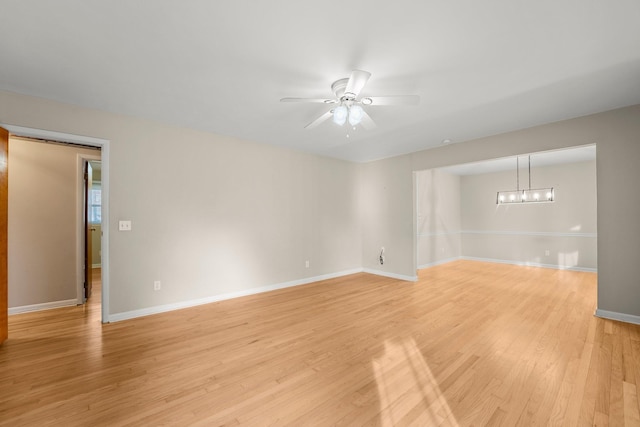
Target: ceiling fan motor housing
[338,87]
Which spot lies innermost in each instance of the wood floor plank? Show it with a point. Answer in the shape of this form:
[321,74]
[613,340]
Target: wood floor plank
[470,343]
[616,395]
[635,349]
[630,405]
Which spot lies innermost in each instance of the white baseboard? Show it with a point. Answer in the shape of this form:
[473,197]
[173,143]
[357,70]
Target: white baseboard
[531,264]
[442,261]
[622,317]
[391,275]
[42,306]
[215,298]
[117,317]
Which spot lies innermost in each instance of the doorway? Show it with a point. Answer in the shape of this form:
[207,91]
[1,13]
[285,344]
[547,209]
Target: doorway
[457,215]
[44,225]
[102,151]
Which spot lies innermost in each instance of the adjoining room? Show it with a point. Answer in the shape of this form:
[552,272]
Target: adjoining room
[459,214]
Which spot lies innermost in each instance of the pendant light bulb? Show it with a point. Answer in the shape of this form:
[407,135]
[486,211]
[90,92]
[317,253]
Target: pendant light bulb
[356,113]
[340,114]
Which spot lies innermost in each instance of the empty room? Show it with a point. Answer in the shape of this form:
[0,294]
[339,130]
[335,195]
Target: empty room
[342,213]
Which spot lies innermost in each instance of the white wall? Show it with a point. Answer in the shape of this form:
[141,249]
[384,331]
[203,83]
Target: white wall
[43,225]
[438,217]
[385,188]
[211,214]
[522,234]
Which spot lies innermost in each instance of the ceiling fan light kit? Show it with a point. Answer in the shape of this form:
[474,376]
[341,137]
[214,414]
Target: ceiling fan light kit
[356,113]
[340,114]
[347,92]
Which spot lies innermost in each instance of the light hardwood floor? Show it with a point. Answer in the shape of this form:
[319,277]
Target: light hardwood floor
[469,344]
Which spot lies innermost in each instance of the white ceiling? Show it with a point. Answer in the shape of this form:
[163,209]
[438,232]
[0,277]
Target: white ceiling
[480,67]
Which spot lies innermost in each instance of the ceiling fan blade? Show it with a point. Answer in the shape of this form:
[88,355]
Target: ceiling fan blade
[367,122]
[391,100]
[319,120]
[356,82]
[314,100]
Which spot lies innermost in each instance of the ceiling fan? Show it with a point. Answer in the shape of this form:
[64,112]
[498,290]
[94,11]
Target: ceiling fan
[350,103]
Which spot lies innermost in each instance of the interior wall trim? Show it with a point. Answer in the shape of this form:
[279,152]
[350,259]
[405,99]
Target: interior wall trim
[440,233]
[391,275]
[509,233]
[501,261]
[117,317]
[622,317]
[42,306]
[442,261]
[531,264]
[530,233]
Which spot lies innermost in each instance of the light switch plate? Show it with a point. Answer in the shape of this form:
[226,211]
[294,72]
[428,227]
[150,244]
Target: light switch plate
[124,226]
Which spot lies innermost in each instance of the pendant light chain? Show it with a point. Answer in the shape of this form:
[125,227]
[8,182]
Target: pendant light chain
[517,173]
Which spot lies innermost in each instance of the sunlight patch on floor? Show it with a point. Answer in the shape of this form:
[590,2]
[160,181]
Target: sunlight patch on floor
[418,400]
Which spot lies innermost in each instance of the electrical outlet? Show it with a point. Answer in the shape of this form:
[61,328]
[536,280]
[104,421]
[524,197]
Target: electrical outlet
[124,226]
[546,253]
[306,264]
[157,285]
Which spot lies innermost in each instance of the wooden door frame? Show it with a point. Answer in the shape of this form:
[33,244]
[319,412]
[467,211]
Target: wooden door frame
[104,145]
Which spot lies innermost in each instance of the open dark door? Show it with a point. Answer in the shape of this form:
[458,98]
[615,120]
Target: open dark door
[88,262]
[4,214]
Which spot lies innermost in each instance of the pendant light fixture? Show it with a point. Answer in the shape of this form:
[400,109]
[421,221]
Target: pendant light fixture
[518,196]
